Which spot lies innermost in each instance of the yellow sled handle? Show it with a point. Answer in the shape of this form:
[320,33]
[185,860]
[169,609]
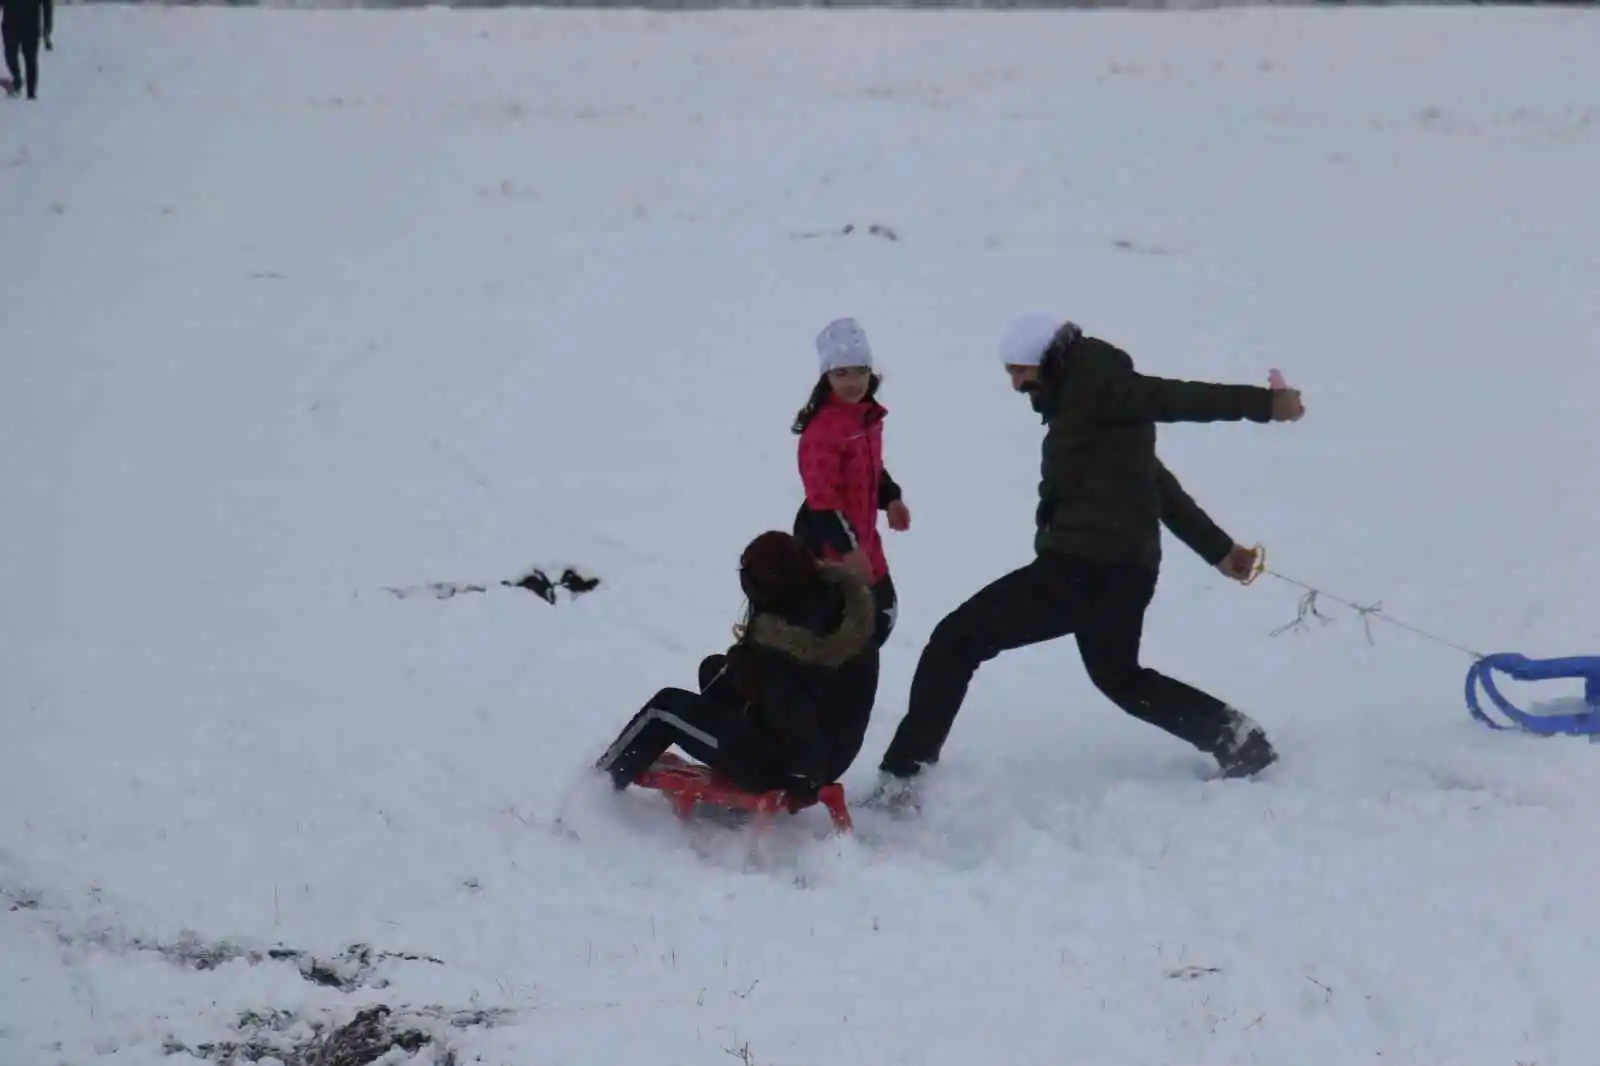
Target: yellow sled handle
[1260,566]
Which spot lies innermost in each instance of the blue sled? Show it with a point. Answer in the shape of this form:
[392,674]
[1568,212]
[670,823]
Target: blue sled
[1521,668]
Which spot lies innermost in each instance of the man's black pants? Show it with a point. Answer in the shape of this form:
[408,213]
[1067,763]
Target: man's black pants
[1102,605]
[21,36]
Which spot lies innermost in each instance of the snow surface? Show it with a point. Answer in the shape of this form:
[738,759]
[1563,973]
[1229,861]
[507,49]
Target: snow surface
[298,305]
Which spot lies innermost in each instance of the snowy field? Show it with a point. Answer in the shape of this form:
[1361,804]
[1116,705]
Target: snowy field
[299,305]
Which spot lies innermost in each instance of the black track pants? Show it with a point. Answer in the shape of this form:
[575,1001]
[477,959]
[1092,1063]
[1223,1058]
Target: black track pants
[693,722]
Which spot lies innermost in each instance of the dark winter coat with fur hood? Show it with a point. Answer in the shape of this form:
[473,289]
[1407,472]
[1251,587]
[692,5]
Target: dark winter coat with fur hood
[810,676]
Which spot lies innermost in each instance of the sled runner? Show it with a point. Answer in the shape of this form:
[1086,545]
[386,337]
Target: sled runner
[1582,722]
[687,784]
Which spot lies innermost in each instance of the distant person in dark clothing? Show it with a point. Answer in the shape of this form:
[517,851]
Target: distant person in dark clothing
[24,23]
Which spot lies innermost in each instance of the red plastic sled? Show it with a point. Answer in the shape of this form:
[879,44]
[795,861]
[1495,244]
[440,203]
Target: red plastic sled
[686,784]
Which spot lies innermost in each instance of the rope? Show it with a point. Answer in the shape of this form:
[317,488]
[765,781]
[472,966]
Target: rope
[1369,613]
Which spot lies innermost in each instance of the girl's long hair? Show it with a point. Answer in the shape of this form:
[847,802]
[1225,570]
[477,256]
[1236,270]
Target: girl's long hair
[819,396]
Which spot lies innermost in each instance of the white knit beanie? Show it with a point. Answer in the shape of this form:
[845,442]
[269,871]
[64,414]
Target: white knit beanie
[841,343]
[1027,337]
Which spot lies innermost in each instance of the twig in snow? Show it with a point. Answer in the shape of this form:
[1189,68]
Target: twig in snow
[742,1053]
[535,581]
[875,230]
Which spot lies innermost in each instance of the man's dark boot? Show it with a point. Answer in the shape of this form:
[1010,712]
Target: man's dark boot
[1244,750]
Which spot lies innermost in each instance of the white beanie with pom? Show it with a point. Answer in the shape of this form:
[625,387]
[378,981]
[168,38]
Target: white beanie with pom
[842,343]
[1026,338]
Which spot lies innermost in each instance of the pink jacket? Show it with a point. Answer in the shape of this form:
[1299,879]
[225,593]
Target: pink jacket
[841,466]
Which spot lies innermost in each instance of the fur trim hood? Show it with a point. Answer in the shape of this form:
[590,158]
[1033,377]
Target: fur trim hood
[823,649]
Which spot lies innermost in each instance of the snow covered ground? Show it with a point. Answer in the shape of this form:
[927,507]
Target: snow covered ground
[298,305]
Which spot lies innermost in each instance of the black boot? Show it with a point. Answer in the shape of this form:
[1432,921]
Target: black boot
[1244,750]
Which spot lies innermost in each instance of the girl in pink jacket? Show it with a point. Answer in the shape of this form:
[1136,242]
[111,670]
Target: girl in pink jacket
[841,465]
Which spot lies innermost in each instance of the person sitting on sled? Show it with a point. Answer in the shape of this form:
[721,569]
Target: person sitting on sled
[787,707]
